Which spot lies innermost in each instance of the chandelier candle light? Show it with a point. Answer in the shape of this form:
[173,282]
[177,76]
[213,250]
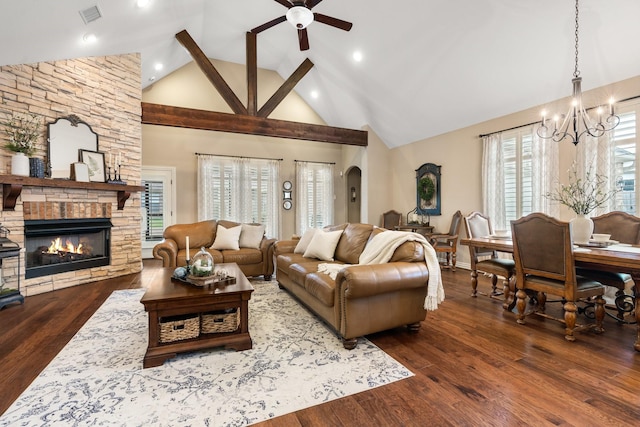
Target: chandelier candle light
[577,121]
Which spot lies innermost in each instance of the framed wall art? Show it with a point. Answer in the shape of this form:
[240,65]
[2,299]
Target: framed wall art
[95,163]
[428,187]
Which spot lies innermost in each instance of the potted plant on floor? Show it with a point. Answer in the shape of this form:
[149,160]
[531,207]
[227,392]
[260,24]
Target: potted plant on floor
[23,130]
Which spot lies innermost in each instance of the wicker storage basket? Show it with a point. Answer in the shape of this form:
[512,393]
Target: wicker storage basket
[220,321]
[175,328]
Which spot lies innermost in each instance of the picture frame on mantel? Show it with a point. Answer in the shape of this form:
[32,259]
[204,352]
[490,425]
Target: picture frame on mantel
[95,163]
[428,189]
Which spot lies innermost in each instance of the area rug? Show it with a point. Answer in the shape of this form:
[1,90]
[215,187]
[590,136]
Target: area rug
[296,362]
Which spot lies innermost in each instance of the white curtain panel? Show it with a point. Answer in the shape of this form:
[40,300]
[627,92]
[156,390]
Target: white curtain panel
[493,181]
[544,174]
[598,156]
[239,189]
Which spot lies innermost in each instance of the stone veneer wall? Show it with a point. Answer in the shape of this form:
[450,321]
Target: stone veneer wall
[106,93]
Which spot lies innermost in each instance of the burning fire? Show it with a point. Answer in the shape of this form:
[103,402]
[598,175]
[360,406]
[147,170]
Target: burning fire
[56,247]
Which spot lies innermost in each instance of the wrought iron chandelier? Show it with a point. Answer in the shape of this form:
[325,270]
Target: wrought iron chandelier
[577,122]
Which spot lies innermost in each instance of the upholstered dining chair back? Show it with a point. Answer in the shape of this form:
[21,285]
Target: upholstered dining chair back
[487,261]
[542,247]
[623,227]
[456,222]
[543,254]
[390,219]
[478,225]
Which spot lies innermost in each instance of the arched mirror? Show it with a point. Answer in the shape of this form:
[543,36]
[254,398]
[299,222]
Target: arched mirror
[65,137]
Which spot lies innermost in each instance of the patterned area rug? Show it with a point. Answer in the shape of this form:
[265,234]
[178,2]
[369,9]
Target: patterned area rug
[296,362]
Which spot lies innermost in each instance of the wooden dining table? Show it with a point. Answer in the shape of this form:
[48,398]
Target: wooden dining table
[624,259]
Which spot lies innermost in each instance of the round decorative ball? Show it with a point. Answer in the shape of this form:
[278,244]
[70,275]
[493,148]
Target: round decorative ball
[180,272]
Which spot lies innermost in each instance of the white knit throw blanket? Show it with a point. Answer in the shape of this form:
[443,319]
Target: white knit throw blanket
[380,250]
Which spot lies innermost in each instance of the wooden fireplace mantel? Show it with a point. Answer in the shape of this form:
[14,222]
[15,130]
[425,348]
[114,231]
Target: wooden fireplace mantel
[12,187]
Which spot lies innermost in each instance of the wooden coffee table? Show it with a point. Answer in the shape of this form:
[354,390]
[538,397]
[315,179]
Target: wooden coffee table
[168,297]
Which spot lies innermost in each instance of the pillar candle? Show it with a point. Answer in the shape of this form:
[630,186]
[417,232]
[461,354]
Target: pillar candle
[187,248]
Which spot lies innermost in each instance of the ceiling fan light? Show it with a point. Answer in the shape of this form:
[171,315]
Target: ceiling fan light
[300,17]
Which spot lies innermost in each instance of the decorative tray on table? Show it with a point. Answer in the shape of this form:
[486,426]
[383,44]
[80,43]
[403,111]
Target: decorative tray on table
[597,243]
[221,277]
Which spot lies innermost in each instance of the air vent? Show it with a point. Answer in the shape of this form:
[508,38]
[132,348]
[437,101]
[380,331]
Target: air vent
[90,14]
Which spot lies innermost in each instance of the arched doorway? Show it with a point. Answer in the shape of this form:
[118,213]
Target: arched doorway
[354,194]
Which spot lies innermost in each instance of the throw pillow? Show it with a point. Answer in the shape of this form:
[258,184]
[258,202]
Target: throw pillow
[251,236]
[323,245]
[227,238]
[304,241]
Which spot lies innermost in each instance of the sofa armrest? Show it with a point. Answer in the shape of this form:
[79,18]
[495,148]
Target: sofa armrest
[167,251]
[284,246]
[266,246]
[360,281]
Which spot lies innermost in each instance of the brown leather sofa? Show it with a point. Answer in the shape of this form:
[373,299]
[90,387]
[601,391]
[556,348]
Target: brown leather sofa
[172,251]
[363,299]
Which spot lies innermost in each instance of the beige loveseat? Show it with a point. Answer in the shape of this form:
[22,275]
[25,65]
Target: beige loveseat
[362,299]
[254,253]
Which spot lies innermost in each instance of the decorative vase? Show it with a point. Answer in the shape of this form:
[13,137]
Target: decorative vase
[581,228]
[20,164]
[36,167]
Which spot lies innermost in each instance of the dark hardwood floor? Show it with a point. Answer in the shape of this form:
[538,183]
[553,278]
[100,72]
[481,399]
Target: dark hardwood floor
[473,365]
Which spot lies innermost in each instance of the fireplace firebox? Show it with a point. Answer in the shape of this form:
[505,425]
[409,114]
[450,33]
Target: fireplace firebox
[61,245]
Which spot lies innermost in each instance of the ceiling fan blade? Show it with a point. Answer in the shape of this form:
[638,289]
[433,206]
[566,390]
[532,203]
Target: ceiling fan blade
[303,39]
[285,3]
[334,22]
[312,3]
[269,24]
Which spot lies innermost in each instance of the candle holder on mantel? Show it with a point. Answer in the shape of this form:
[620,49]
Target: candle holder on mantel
[116,176]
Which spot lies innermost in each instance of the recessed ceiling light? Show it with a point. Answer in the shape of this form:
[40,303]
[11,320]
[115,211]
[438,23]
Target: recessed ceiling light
[315,94]
[357,56]
[143,3]
[152,78]
[89,38]
[158,66]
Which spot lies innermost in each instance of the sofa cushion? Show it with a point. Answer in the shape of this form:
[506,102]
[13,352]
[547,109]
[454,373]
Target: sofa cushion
[227,238]
[408,252]
[200,234]
[352,242]
[242,256]
[323,245]
[217,256]
[298,272]
[251,235]
[284,261]
[321,286]
[304,241]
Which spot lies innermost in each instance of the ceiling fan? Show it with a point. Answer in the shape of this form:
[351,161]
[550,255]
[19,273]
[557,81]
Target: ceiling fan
[300,16]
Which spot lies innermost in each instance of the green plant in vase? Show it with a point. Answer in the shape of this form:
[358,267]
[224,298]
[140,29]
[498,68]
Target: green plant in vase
[23,130]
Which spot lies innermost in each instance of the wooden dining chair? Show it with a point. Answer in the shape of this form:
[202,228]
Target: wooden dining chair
[390,219]
[543,254]
[448,243]
[624,228]
[487,261]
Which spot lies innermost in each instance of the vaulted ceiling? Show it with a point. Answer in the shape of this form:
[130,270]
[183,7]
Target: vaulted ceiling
[428,67]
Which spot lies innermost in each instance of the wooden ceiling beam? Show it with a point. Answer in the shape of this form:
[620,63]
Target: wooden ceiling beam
[286,87]
[210,71]
[252,74]
[166,115]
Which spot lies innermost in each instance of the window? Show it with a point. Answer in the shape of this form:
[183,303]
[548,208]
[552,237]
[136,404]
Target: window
[240,190]
[518,170]
[157,204]
[518,189]
[624,139]
[314,195]
[153,210]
